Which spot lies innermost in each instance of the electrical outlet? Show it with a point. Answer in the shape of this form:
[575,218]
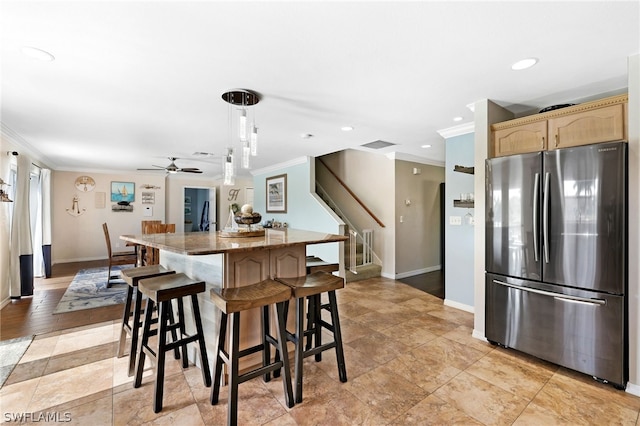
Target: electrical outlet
[455,220]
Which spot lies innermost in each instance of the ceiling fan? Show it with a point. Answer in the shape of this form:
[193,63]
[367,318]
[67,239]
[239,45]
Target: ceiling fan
[172,168]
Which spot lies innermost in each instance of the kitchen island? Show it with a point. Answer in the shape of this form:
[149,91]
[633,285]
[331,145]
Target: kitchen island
[223,262]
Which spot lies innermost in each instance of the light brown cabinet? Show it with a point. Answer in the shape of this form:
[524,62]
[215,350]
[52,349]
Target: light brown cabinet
[598,125]
[603,120]
[530,137]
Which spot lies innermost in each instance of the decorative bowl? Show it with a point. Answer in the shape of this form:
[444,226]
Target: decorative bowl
[247,220]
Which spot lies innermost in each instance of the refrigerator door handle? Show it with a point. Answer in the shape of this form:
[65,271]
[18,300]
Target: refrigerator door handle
[536,189]
[545,217]
[557,296]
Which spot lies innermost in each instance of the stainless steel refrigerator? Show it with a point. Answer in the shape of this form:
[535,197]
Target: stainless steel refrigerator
[556,257]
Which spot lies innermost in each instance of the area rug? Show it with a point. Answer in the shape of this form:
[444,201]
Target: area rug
[10,353]
[89,290]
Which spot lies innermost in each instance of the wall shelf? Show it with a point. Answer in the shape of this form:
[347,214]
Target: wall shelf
[463,204]
[119,208]
[464,169]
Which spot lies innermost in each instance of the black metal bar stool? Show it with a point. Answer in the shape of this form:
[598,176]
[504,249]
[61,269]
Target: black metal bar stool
[161,291]
[233,301]
[132,276]
[310,288]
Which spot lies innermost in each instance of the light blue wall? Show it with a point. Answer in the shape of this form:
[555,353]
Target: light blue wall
[303,210]
[458,239]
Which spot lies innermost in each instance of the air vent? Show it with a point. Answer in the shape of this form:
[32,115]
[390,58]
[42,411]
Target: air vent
[378,144]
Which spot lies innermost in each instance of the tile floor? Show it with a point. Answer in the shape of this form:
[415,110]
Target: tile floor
[410,360]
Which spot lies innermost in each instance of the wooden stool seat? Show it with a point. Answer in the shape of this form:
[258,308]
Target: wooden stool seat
[162,290]
[132,277]
[238,299]
[315,283]
[233,301]
[310,288]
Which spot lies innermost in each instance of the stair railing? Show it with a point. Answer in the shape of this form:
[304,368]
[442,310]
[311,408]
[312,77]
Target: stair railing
[351,193]
[357,238]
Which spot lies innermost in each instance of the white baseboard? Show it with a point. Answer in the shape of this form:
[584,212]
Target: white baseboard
[417,272]
[5,302]
[459,305]
[479,335]
[633,389]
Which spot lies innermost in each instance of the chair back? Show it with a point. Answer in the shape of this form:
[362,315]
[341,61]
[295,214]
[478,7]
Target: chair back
[152,256]
[105,229]
[148,222]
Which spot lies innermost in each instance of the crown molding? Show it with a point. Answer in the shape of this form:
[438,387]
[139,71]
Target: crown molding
[16,139]
[280,166]
[414,159]
[460,129]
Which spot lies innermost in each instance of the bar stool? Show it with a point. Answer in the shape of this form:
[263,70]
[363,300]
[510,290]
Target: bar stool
[132,277]
[311,287]
[161,291]
[233,301]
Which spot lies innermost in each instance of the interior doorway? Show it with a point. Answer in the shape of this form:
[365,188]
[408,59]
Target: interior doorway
[199,212]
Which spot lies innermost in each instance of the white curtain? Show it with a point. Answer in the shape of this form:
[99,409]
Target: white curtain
[45,189]
[21,256]
[35,206]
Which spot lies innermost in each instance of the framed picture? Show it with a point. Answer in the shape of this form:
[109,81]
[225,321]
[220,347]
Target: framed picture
[123,191]
[277,194]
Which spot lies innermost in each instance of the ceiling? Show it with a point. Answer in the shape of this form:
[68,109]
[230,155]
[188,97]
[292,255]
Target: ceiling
[133,83]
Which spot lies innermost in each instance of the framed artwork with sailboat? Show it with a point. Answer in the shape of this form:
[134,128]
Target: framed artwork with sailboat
[123,191]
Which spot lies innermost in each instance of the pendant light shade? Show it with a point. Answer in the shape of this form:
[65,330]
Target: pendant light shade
[246,138]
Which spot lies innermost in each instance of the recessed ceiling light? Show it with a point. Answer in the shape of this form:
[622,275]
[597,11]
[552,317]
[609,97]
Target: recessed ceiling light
[524,64]
[457,118]
[426,146]
[346,128]
[36,53]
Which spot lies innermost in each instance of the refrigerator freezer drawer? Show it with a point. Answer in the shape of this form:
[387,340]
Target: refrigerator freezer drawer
[581,330]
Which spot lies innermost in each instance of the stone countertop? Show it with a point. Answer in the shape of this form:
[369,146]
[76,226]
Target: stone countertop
[202,243]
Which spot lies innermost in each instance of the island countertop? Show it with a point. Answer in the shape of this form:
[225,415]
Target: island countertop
[203,243]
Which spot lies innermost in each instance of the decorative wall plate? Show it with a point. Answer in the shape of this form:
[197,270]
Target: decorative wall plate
[85,183]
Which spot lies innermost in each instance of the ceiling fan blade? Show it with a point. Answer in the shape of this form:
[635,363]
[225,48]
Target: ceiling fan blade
[155,170]
[191,170]
[184,169]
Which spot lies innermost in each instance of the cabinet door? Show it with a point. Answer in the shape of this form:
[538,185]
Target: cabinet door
[583,128]
[521,139]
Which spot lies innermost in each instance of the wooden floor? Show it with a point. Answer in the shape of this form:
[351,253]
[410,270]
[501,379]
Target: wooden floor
[34,314]
[430,282]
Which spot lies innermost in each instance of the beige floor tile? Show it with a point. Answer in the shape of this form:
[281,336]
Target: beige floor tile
[448,352]
[434,411]
[374,346]
[189,415]
[429,375]
[98,412]
[68,385]
[135,405]
[481,400]
[534,415]
[39,349]
[412,332]
[385,393]
[15,398]
[510,374]
[568,397]
[463,334]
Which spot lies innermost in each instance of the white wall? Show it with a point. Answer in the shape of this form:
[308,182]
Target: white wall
[417,248]
[81,238]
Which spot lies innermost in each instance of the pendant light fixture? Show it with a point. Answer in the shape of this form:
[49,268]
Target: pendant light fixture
[247,135]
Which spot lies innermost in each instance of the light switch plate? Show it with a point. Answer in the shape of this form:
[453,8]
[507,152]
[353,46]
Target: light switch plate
[455,220]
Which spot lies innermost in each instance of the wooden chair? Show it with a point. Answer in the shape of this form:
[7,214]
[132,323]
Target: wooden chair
[118,258]
[152,256]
